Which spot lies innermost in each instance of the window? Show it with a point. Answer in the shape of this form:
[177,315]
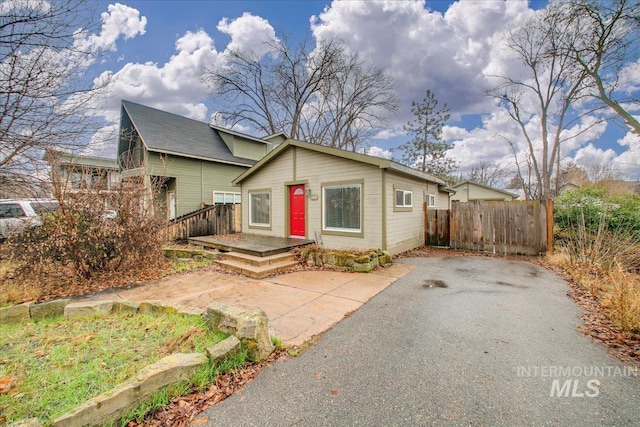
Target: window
[225,197]
[431,200]
[260,208]
[404,199]
[342,208]
[12,210]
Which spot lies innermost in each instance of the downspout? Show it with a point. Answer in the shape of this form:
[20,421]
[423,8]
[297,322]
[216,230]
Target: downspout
[384,210]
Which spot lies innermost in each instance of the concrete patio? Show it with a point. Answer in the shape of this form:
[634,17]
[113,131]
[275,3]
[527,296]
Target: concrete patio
[299,304]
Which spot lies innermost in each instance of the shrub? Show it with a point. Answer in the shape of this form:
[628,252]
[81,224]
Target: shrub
[85,236]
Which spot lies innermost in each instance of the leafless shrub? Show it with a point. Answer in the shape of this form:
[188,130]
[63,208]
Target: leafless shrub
[95,232]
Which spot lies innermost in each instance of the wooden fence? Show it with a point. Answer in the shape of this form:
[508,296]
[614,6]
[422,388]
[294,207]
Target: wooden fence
[516,227]
[217,219]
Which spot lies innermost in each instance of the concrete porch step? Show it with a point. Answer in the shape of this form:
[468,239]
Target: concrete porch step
[257,267]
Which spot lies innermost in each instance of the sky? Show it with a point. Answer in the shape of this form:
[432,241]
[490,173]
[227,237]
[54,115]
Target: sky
[156,51]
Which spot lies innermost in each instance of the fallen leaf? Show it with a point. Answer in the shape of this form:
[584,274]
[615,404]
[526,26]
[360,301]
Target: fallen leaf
[6,383]
[334,392]
[318,375]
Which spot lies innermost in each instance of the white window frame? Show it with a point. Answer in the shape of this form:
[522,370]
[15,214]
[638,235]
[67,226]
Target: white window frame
[405,194]
[235,196]
[253,223]
[324,208]
[431,200]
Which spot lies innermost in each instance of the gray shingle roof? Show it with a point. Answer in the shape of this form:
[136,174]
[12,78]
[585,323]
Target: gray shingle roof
[170,133]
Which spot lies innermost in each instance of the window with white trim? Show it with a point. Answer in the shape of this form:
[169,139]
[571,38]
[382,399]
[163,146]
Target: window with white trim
[404,199]
[226,198]
[431,200]
[260,208]
[342,208]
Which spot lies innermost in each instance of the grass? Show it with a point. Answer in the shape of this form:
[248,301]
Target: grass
[199,382]
[56,364]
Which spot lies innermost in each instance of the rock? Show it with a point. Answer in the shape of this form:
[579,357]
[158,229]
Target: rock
[48,309]
[125,307]
[30,422]
[251,327]
[113,404]
[88,308]
[363,267]
[157,307]
[15,313]
[224,349]
[253,332]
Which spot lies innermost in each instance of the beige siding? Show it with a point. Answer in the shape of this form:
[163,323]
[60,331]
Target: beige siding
[195,179]
[315,168]
[405,226]
[466,192]
[442,197]
[272,176]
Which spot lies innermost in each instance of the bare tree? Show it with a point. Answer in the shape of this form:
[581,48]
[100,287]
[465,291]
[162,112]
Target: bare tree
[426,151]
[41,82]
[488,174]
[608,41]
[540,99]
[326,96]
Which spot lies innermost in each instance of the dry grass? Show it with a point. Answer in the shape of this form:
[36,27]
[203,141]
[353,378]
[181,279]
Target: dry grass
[615,284]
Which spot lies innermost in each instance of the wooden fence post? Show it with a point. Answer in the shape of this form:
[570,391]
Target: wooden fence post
[549,226]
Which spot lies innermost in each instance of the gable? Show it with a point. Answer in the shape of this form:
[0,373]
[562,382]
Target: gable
[169,133]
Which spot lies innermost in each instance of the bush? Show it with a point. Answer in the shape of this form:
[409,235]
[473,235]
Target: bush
[593,228]
[593,209]
[85,236]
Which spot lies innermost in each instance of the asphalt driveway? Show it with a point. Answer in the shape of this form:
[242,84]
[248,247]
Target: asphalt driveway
[457,341]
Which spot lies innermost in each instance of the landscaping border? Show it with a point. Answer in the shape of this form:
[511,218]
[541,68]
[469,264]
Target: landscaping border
[249,329]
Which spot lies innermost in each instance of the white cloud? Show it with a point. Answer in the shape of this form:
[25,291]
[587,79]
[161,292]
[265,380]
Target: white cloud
[174,86]
[423,49]
[379,152]
[119,21]
[249,33]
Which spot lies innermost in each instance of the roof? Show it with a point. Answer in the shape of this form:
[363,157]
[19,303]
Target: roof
[170,133]
[358,157]
[514,195]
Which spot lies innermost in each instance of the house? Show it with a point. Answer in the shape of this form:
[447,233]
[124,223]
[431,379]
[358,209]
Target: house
[72,173]
[350,200]
[192,162]
[468,190]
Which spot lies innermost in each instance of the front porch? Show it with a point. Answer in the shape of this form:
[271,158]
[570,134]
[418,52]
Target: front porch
[252,255]
[250,244]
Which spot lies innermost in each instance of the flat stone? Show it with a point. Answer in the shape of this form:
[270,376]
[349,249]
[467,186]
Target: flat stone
[113,404]
[88,308]
[219,352]
[48,309]
[365,267]
[157,307]
[29,422]
[15,313]
[125,307]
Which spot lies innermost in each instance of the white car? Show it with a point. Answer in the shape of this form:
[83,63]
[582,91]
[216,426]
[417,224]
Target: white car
[18,213]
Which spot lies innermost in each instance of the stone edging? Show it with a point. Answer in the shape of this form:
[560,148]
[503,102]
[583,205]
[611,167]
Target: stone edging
[250,329]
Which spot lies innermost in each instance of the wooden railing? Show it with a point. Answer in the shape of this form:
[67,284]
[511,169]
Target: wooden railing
[211,220]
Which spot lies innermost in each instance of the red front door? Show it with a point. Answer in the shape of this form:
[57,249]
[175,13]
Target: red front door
[296,211]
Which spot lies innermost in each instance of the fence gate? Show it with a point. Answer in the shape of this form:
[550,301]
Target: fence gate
[509,228]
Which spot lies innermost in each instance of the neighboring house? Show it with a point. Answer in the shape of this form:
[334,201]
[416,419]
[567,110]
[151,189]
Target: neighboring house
[469,190]
[194,162]
[72,173]
[350,200]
